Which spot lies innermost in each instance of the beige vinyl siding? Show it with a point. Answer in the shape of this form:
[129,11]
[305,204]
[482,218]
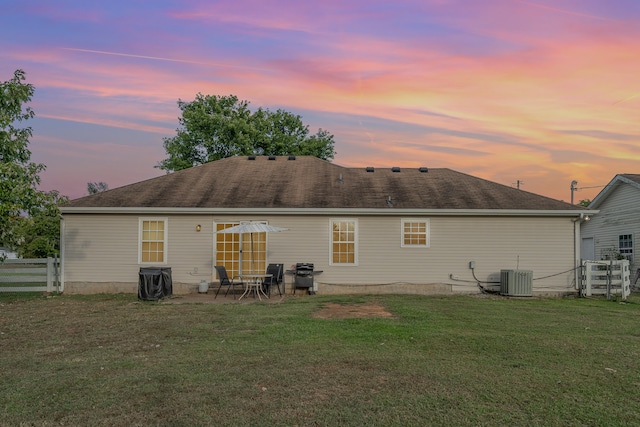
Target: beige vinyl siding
[100,247]
[544,245]
[619,215]
[191,252]
[103,248]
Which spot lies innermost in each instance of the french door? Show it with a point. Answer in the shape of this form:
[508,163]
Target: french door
[246,253]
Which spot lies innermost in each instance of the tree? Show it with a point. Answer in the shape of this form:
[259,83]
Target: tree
[214,127]
[40,232]
[21,203]
[584,202]
[18,175]
[97,187]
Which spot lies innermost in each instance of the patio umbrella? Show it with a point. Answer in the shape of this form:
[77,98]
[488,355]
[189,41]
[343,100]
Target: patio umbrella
[250,227]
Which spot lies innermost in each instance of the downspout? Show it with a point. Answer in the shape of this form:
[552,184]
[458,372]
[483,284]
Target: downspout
[576,250]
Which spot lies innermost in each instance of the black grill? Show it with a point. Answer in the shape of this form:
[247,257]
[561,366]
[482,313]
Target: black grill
[304,268]
[303,275]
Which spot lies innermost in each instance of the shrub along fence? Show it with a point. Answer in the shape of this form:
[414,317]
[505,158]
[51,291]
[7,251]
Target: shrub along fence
[30,275]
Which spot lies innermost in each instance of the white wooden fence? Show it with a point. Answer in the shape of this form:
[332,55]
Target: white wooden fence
[30,275]
[606,278]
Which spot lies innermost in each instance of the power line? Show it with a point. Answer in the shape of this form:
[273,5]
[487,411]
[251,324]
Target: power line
[574,187]
[595,186]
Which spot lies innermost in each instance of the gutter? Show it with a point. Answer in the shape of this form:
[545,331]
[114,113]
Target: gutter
[331,211]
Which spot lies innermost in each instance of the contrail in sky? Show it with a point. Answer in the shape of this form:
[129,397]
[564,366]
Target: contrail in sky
[157,58]
[626,99]
[555,9]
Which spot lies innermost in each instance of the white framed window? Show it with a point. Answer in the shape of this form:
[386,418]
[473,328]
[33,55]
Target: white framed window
[344,242]
[415,233]
[152,240]
[625,246]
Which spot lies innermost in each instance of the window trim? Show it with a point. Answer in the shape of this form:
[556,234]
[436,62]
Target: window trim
[165,242]
[355,242]
[626,252]
[427,223]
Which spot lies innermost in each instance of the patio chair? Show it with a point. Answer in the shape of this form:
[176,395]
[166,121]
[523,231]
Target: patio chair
[277,272]
[225,281]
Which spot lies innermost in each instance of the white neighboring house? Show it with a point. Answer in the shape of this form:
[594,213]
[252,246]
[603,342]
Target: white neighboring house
[5,253]
[615,230]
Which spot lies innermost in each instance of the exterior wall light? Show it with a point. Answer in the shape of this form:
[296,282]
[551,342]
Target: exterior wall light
[198,227]
[582,218]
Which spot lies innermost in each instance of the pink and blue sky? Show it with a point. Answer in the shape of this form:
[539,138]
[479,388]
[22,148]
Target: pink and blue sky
[538,92]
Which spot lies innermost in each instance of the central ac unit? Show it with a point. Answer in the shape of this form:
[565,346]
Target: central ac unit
[516,283]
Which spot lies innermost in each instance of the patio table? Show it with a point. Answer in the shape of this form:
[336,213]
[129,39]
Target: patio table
[254,283]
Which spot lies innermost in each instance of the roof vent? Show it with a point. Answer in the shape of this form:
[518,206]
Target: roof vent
[340,180]
[251,158]
[423,170]
[389,202]
[272,157]
[370,169]
[395,169]
[291,158]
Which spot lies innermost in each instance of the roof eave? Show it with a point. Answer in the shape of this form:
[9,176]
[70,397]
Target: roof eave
[328,211]
[602,195]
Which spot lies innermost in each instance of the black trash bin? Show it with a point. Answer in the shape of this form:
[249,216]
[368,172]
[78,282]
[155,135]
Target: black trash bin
[154,283]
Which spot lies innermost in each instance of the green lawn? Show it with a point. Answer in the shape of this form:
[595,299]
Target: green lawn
[110,360]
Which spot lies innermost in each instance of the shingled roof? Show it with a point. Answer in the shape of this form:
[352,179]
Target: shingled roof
[304,182]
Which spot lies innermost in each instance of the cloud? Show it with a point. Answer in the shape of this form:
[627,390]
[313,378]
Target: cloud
[507,90]
[562,11]
[603,135]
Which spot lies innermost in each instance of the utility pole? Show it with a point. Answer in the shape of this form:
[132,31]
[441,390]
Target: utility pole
[574,183]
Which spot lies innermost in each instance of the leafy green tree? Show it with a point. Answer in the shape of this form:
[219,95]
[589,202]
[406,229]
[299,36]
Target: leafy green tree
[214,127]
[97,187]
[19,177]
[28,216]
[584,202]
[40,232]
